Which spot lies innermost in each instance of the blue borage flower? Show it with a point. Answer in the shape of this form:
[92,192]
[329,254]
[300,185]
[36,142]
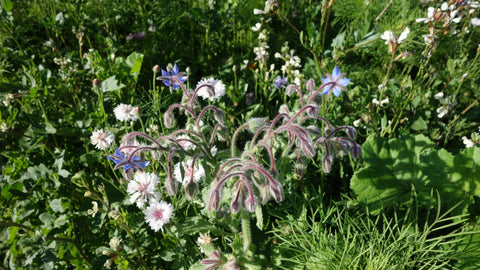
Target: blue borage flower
[170,77]
[128,164]
[280,82]
[338,83]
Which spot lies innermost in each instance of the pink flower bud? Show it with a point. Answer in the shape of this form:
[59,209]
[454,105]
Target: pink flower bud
[356,151]
[96,82]
[351,132]
[171,186]
[168,120]
[276,189]
[251,203]
[156,69]
[327,161]
[214,200]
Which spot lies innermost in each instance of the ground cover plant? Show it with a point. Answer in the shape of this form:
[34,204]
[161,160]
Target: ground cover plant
[240,134]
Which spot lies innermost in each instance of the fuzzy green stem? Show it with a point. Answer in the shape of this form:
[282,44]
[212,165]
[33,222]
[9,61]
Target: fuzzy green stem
[234,137]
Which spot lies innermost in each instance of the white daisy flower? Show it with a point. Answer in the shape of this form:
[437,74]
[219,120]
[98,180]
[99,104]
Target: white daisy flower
[214,89]
[102,140]
[143,188]
[158,214]
[125,112]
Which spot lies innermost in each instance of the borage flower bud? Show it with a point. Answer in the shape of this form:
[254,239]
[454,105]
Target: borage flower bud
[250,203]
[308,150]
[276,189]
[168,120]
[284,109]
[327,161]
[310,85]
[214,200]
[256,123]
[313,110]
[299,169]
[351,132]
[231,265]
[264,193]
[314,130]
[219,116]
[290,90]
[191,189]
[356,151]
[171,186]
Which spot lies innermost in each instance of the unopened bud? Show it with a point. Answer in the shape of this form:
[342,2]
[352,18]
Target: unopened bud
[251,203]
[314,130]
[276,189]
[235,205]
[107,252]
[308,150]
[156,69]
[290,90]
[219,116]
[351,133]
[171,186]
[231,265]
[299,169]
[214,200]
[356,151]
[284,109]
[87,194]
[191,189]
[256,123]
[327,161]
[168,120]
[96,83]
[115,214]
[313,110]
[264,193]
[310,85]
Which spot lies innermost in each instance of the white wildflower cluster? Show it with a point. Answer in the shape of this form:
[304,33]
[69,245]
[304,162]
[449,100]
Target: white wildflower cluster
[143,190]
[393,41]
[8,99]
[473,140]
[261,51]
[447,104]
[444,18]
[292,64]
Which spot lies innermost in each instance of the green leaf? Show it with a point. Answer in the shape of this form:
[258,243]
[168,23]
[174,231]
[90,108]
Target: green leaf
[7,5]
[56,205]
[134,61]
[111,84]
[393,171]
[419,124]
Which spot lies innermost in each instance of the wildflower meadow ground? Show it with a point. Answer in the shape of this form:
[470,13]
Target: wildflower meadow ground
[233,134]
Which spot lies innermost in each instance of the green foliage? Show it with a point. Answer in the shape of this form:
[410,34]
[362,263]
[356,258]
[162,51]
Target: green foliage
[336,237]
[398,170]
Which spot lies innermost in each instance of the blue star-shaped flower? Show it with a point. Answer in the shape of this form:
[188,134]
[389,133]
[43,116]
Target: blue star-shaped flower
[280,82]
[168,77]
[128,165]
[339,83]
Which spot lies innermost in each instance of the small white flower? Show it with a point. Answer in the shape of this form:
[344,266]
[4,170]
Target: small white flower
[215,89]
[442,111]
[384,101]
[356,123]
[158,214]
[389,36]
[3,127]
[114,242]
[403,35]
[475,22]
[94,209]
[438,96]
[196,173]
[102,140]
[375,101]
[125,112]
[143,188]
[256,27]
[468,143]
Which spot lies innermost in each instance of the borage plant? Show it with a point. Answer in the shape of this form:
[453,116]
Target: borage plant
[240,178]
